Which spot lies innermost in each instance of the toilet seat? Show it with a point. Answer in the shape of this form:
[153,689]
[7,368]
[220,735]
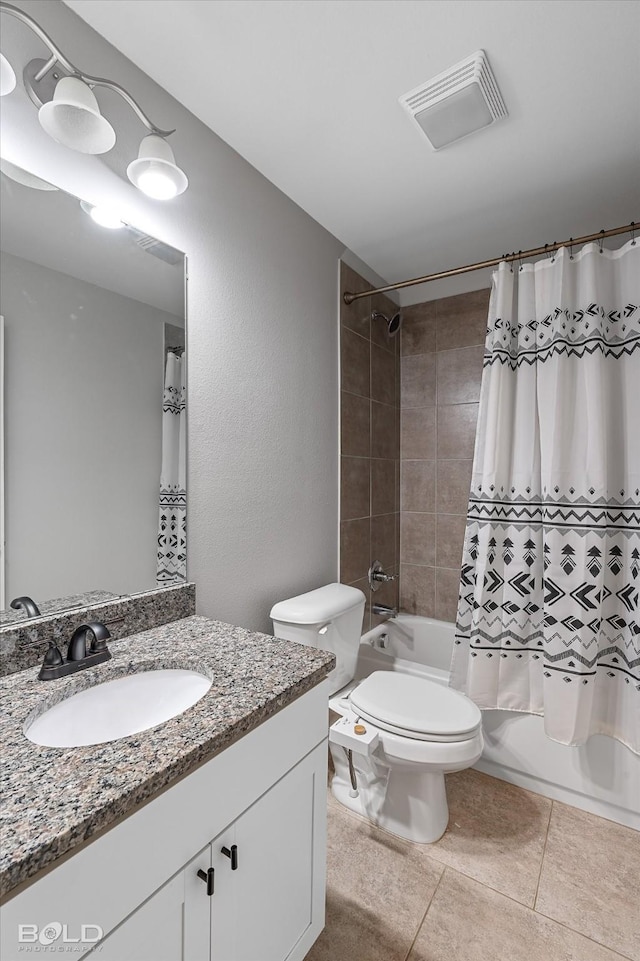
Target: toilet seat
[415,707]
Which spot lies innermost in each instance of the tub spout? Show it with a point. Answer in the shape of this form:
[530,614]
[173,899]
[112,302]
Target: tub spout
[384,611]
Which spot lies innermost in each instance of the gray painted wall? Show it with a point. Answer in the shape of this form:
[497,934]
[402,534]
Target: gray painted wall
[83,396]
[262,337]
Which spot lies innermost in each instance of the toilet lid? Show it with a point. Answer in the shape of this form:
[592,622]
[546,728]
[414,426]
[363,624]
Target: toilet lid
[415,707]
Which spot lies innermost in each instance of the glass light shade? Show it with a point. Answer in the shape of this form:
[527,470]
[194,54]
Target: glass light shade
[7,76]
[155,171]
[104,216]
[73,118]
[23,177]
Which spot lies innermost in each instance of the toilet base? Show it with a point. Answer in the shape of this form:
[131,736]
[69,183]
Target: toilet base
[406,801]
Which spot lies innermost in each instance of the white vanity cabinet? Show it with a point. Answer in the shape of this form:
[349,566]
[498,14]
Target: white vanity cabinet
[265,794]
[173,925]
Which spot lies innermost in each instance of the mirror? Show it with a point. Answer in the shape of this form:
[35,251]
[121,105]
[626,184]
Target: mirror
[94,405]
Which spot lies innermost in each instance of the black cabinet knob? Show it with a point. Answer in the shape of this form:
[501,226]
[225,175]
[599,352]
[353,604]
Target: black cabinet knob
[232,854]
[207,877]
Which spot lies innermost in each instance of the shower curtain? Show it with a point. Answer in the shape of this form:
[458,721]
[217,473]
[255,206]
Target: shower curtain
[548,613]
[172,514]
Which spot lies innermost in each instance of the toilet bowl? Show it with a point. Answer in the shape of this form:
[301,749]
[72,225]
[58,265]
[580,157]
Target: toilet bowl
[424,732]
[411,731]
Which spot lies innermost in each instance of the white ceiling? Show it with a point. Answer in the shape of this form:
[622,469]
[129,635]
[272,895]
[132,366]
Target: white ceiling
[308,93]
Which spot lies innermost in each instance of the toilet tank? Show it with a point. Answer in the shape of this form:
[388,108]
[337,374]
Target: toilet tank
[329,618]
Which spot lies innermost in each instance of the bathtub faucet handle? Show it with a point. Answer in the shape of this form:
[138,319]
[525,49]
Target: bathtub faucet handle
[378,576]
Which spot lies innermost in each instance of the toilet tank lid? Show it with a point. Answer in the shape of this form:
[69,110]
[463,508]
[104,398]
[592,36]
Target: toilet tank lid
[319,606]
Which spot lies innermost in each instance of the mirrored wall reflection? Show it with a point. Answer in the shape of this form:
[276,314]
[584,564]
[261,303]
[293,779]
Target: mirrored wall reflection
[94,403]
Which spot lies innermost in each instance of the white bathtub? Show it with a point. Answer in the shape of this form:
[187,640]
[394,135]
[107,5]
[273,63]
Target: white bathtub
[602,776]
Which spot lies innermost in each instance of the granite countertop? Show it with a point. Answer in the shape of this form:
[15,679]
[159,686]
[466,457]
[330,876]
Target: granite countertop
[55,799]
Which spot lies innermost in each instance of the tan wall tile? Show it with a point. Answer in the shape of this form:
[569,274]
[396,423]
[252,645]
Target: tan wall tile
[418,590]
[418,539]
[459,373]
[418,380]
[462,319]
[363,585]
[355,431]
[383,375]
[450,540]
[457,430]
[355,542]
[355,359]
[383,486]
[447,588]
[384,439]
[453,486]
[417,485]
[419,329]
[383,542]
[418,433]
[354,487]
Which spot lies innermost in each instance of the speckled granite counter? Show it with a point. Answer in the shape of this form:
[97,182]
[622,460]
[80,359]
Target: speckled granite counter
[55,799]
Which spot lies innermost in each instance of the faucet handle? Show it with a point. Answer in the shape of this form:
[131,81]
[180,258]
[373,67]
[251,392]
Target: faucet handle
[377,576]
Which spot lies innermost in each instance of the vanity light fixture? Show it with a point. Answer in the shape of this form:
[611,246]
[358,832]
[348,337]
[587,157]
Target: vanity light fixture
[7,76]
[23,177]
[69,112]
[73,118]
[155,172]
[104,216]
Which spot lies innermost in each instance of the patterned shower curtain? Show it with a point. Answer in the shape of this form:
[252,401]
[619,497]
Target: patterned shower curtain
[548,613]
[172,514]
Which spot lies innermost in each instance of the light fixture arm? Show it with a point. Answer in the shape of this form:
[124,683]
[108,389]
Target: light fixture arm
[58,57]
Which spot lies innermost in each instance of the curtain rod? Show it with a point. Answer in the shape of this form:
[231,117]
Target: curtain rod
[349,297]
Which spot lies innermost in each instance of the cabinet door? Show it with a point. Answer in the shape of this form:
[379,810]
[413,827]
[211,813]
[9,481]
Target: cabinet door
[173,925]
[267,905]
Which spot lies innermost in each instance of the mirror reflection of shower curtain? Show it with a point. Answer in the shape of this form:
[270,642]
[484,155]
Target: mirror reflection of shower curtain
[172,513]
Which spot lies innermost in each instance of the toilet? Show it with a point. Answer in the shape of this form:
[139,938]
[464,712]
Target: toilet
[397,734]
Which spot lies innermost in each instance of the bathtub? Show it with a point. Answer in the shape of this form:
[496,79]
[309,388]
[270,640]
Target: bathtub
[602,776]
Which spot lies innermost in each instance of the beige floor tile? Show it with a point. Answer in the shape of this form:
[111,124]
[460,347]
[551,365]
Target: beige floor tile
[496,833]
[469,922]
[590,878]
[378,889]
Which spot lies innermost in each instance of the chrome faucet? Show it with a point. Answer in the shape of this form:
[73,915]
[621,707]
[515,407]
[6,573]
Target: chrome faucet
[78,657]
[384,611]
[377,576]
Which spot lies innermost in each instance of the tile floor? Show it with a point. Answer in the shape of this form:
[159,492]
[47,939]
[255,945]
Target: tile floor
[516,877]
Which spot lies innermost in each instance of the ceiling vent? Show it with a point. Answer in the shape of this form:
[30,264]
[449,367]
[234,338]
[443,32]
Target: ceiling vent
[457,102]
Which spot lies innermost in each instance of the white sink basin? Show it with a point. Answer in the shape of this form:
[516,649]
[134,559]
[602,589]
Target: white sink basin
[114,709]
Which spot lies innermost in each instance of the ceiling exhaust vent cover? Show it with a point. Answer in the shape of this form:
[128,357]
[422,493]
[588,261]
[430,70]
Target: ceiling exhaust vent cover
[457,102]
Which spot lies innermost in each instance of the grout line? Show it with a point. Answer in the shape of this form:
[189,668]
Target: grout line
[544,851]
[419,928]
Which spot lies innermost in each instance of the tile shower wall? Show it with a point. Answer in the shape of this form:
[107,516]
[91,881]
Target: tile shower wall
[370,432]
[442,346]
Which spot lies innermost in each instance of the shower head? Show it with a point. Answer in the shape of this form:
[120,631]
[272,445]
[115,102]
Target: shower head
[393,323]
